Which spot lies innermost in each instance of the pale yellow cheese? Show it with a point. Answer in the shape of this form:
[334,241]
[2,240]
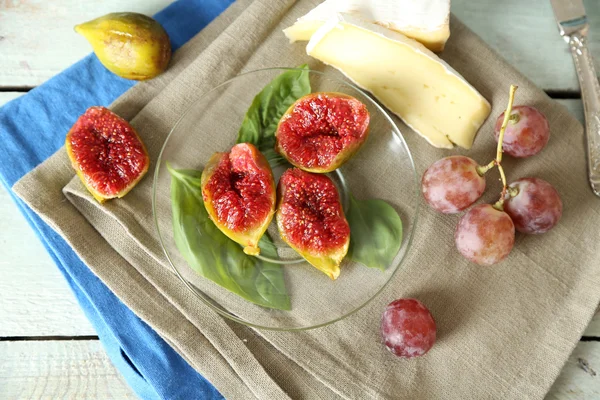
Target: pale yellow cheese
[411,81]
[426,21]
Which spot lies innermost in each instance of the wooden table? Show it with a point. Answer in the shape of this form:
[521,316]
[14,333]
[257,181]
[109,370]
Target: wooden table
[47,347]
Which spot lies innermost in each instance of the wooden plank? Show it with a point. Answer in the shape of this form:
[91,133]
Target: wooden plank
[580,378]
[5,97]
[51,45]
[35,300]
[59,370]
[525,34]
[80,369]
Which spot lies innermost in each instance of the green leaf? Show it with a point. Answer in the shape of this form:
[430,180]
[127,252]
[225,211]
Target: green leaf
[375,232]
[214,256]
[261,119]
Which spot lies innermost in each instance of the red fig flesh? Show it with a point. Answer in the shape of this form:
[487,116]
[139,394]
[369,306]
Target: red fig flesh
[107,153]
[239,194]
[311,220]
[321,131]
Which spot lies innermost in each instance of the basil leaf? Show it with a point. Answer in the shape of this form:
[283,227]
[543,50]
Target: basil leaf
[214,256]
[261,119]
[375,232]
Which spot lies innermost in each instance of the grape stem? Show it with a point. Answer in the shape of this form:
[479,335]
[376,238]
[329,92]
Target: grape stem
[499,205]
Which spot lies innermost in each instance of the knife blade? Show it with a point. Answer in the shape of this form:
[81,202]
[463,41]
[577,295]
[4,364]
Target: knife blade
[573,27]
[570,16]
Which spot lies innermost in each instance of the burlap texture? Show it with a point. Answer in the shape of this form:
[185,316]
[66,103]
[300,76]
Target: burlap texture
[504,332]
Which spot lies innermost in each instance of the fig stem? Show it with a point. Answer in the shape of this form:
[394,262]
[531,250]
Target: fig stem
[252,250]
[498,161]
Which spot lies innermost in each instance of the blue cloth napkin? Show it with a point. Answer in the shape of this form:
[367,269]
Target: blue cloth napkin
[32,128]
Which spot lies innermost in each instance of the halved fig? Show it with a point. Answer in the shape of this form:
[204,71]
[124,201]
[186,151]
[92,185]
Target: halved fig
[311,220]
[106,153]
[239,194]
[321,131]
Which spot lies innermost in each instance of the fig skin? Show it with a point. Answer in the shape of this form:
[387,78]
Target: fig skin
[247,238]
[326,260]
[131,45]
[102,115]
[344,155]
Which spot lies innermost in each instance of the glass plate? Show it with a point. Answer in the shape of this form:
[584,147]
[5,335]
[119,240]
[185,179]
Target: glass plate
[382,169]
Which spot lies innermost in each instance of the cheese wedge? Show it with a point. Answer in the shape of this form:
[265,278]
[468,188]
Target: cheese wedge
[411,81]
[426,21]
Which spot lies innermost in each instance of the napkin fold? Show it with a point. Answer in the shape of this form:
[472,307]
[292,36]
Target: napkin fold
[503,331]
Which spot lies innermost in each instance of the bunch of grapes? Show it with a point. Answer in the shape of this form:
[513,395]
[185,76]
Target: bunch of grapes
[486,233]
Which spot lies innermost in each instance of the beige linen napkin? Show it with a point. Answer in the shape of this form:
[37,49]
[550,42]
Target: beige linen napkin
[504,332]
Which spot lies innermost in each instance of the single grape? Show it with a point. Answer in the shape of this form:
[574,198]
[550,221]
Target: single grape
[485,235]
[452,184]
[526,134]
[407,328]
[537,206]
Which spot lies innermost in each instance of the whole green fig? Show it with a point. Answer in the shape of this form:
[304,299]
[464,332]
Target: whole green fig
[131,45]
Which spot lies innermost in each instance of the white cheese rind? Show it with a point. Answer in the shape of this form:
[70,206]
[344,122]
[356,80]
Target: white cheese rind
[429,95]
[426,21]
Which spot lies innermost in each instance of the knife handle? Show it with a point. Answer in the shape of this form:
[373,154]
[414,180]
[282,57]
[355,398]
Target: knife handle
[590,95]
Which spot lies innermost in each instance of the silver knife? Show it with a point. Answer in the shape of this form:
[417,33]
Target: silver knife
[573,27]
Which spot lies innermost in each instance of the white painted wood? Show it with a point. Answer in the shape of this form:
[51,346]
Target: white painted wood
[5,97]
[59,370]
[37,40]
[35,300]
[525,34]
[574,382]
[80,369]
